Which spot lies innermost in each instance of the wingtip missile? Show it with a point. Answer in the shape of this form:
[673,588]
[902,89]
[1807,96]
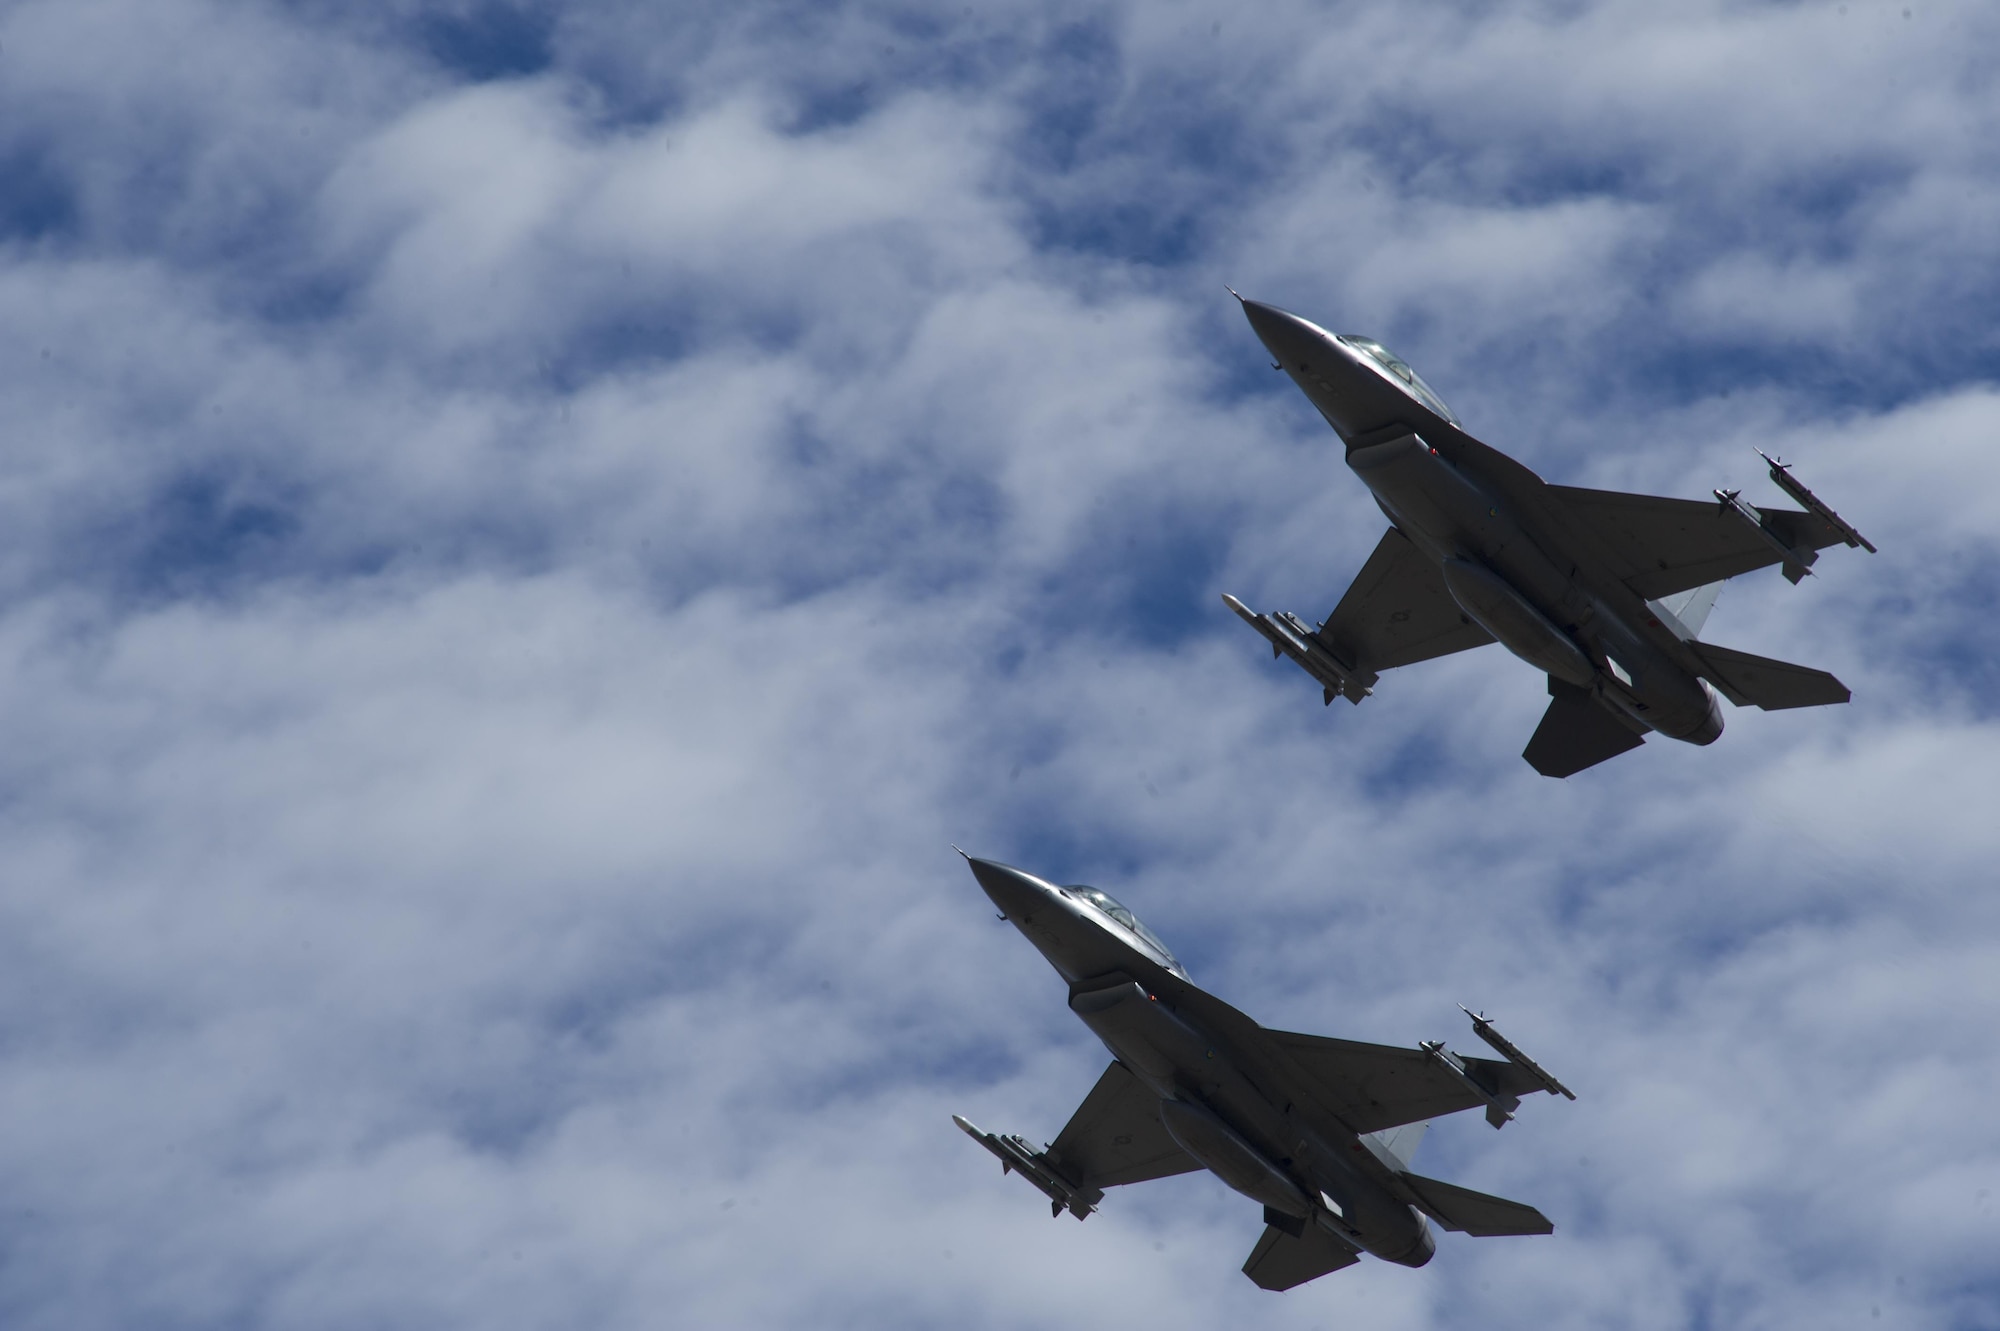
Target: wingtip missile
[1781,474]
[1797,563]
[1484,1030]
[1500,1106]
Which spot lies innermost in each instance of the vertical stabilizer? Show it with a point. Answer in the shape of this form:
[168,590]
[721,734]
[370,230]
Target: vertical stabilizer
[1688,610]
[1400,1144]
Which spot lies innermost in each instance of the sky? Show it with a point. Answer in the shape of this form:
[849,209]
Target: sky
[527,533]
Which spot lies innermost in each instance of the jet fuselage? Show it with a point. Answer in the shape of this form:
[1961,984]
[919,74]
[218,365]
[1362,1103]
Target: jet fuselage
[1222,1088]
[1508,560]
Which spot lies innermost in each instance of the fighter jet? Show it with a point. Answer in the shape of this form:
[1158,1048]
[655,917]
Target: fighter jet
[1319,1131]
[1604,592]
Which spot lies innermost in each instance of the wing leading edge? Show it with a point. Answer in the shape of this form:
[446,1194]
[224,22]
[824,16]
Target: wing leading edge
[1660,546]
[1372,1086]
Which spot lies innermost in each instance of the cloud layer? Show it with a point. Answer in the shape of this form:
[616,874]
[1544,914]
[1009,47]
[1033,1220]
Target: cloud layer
[530,531]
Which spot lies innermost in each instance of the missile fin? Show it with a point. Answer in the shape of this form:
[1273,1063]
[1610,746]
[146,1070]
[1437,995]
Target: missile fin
[1499,1106]
[1781,474]
[1507,1050]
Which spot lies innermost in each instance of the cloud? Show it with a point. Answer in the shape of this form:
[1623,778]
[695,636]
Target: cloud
[530,533]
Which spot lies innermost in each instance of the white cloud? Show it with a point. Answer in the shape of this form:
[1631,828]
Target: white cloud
[516,587]
[1741,294]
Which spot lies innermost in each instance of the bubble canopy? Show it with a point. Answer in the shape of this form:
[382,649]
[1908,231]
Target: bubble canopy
[1106,904]
[1398,370]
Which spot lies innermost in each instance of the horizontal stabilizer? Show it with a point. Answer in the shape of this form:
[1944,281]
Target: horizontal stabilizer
[1576,732]
[1758,681]
[1475,1213]
[1281,1261]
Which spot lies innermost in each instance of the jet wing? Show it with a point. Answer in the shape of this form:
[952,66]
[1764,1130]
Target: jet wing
[1281,1260]
[1397,611]
[1374,1086]
[1661,546]
[1115,1136]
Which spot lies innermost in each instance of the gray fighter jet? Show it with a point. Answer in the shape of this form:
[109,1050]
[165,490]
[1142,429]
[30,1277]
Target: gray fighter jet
[1604,592]
[1319,1131]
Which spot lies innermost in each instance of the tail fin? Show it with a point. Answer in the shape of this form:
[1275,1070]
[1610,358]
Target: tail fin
[1689,609]
[1475,1213]
[1758,681]
[1400,1143]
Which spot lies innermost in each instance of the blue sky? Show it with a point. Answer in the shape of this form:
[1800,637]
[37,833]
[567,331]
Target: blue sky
[529,531]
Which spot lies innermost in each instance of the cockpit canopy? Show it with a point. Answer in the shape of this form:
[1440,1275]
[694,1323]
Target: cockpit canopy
[1399,371]
[1109,905]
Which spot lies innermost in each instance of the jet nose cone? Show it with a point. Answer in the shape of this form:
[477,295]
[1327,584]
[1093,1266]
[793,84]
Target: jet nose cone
[1256,310]
[1014,892]
[1285,335]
